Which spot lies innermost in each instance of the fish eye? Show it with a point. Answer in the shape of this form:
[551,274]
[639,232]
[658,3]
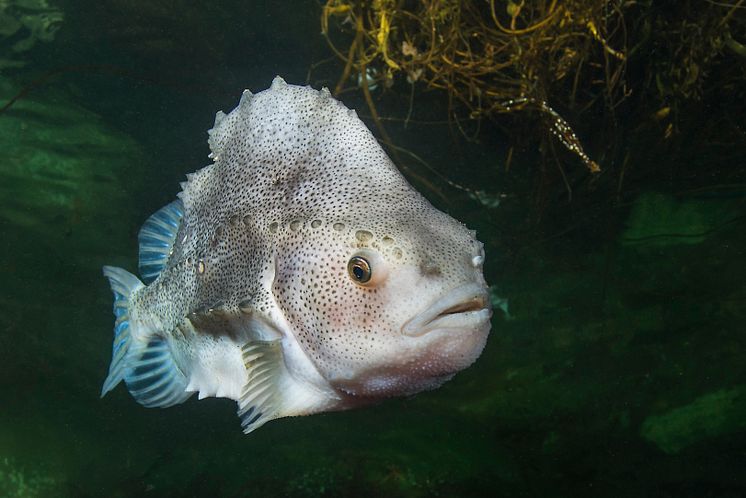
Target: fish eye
[359,270]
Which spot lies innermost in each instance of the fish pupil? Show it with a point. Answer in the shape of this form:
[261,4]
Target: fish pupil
[358,272]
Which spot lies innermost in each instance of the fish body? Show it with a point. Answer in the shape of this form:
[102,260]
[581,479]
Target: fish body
[298,273]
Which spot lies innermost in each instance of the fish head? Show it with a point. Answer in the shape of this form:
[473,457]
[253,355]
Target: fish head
[387,303]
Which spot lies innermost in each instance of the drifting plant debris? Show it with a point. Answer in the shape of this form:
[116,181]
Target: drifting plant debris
[495,57]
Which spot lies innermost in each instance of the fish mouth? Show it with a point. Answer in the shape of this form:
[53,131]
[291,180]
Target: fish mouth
[465,307]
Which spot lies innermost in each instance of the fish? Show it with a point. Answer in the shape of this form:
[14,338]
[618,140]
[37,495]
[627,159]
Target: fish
[298,273]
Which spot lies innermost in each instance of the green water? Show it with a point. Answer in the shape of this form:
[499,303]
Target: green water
[618,370]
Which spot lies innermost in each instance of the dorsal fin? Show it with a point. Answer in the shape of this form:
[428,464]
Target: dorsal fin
[157,237]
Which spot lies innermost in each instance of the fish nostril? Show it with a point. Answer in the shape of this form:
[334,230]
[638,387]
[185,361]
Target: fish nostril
[478,251]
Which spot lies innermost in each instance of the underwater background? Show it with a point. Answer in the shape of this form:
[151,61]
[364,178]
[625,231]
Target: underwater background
[616,365]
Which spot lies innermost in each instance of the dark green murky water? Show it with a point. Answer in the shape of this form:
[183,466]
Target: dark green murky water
[618,367]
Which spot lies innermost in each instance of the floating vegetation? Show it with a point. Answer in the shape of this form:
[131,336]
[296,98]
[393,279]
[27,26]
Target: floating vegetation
[491,57]
[495,57]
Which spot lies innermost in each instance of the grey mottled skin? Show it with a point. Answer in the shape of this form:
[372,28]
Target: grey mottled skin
[299,186]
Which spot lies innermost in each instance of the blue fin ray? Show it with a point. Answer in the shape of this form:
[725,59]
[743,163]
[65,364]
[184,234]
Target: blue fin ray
[153,378]
[148,369]
[156,239]
[122,284]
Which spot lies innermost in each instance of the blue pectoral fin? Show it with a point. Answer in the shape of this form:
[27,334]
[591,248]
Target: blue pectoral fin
[153,378]
[157,237]
[148,369]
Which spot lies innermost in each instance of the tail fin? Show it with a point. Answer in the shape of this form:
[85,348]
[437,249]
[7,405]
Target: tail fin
[122,284]
[147,368]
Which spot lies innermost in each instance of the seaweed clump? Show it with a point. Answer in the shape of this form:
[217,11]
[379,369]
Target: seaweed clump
[492,57]
[497,57]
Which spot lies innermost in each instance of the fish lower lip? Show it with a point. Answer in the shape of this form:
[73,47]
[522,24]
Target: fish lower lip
[463,307]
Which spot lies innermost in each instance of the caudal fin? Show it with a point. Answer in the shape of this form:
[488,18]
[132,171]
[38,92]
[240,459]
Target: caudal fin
[122,284]
[144,363]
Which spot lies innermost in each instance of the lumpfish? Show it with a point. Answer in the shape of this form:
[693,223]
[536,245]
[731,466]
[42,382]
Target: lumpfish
[298,273]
